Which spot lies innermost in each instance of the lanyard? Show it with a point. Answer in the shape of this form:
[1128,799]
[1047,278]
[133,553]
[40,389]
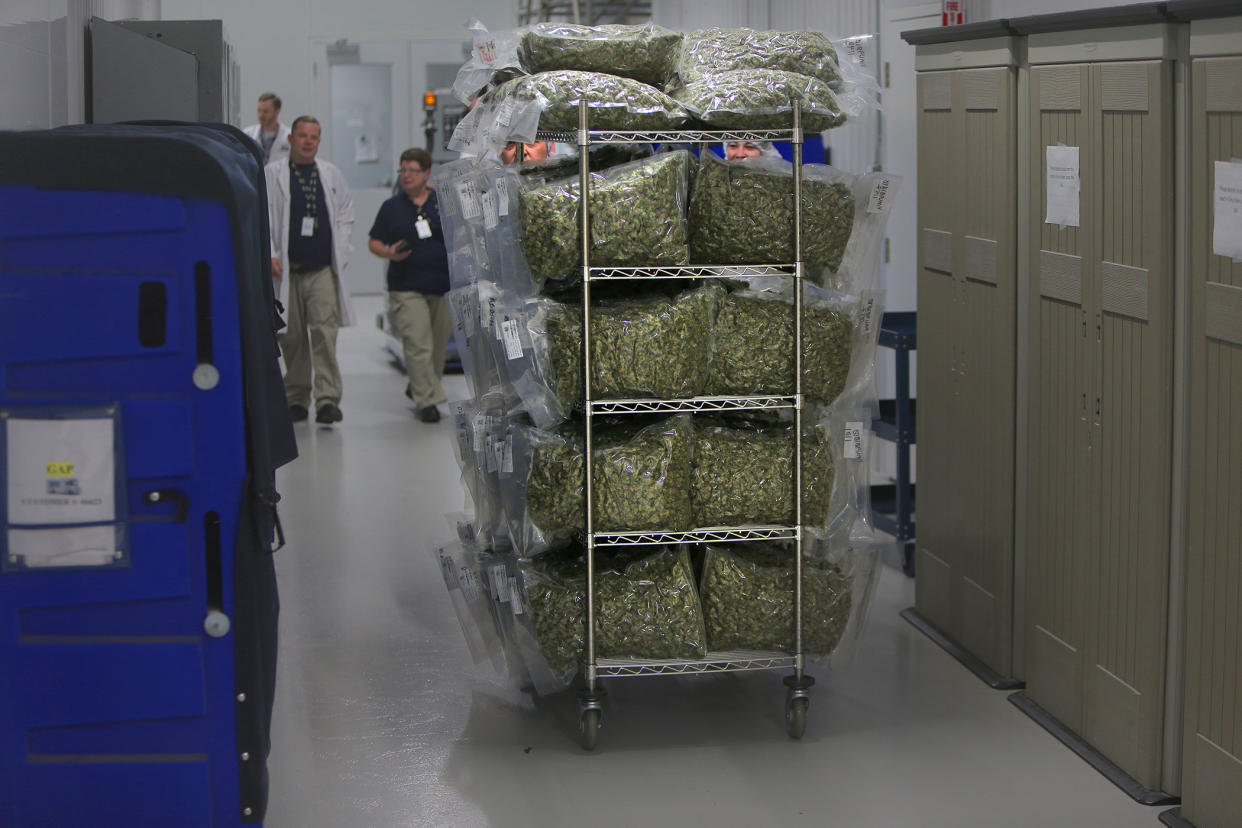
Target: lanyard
[309,189]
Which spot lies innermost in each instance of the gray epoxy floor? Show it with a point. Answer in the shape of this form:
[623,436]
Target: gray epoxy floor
[382,720]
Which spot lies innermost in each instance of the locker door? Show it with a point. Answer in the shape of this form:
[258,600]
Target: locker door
[1212,756]
[1130,412]
[985,268]
[939,417]
[1063,483]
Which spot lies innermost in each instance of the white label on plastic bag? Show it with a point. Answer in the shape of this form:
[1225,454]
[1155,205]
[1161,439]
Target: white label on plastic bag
[469,583]
[502,200]
[468,194]
[1064,186]
[879,202]
[866,315]
[486,50]
[1227,208]
[506,461]
[515,596]
[480,428]
[490,218]
[853,441]
[509,333]
[504,115]
[500,582]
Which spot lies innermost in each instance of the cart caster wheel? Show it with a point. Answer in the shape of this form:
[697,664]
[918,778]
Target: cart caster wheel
[795,716]
[588,726]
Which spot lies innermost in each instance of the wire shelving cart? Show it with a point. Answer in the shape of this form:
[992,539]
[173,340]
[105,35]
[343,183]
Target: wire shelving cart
[798,683]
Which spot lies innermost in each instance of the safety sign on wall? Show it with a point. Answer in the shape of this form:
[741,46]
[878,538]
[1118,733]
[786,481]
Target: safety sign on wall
[952,12]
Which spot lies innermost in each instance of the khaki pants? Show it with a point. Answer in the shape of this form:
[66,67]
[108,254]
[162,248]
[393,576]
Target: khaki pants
[422,324]
[313,315]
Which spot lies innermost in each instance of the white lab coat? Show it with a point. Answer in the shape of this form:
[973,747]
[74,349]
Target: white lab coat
[280,147]
[340,216]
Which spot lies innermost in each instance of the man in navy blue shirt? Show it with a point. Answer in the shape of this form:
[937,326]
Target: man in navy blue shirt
[407,233]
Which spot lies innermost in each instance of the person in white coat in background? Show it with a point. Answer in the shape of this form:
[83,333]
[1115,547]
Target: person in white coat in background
[311,214]
[269,133]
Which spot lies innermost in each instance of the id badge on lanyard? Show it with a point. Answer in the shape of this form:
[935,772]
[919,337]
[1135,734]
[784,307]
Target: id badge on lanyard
[308,226]
[422,227]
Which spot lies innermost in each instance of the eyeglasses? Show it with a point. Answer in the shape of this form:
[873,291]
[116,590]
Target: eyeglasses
[412,170]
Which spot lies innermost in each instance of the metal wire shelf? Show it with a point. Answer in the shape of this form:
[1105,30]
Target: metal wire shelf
[669,136]
[691,272]
[714,534]
[693,404]
[718,662]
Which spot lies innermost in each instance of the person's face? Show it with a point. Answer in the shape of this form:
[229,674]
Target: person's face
[267,115]
[537,151]
[413,177]
[304,143]
[738,150]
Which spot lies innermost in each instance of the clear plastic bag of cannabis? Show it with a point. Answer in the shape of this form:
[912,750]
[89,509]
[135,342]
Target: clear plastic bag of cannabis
[748,599]
[548,102]
[760,99]
[742,212]
[754,345]
[642,480]
[646,607]
[710,51]
[638,218]
[645,52]
[744,475]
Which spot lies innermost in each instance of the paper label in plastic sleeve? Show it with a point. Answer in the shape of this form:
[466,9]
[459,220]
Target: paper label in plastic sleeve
[500,582]
[449,570]
[1227,209]
[489,451]
[479,428]
[1064,186]
[502,201]
[468,194]
[879,202]
[515,596]
[509,333]
[469,583]
[504,114]
[853,441]
[490,217]
[506,462]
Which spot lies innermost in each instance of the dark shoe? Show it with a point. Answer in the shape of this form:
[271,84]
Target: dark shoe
[298,413]
[429,414]
[328,414]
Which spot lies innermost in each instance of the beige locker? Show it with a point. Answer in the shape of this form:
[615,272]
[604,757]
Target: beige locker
[967,344]
[1100,420]
[1212,732]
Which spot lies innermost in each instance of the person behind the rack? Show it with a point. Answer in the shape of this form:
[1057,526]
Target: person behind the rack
[407,233]
[531,153]
[742,150]
[311,214]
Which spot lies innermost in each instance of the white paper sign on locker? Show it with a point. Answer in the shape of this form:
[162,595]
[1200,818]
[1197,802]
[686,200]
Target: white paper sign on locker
[1227,210]
[1064,186]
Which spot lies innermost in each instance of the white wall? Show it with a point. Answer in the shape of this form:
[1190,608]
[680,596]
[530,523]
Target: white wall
[274,39]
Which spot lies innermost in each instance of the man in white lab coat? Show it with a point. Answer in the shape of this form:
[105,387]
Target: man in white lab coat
[269,133]
[311,214]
